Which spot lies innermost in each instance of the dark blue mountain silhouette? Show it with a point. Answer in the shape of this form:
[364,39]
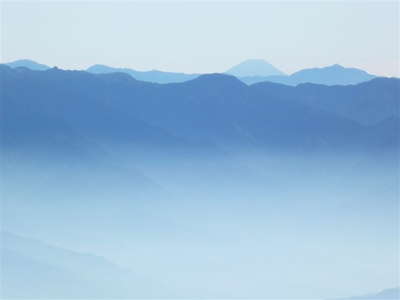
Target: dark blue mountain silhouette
[73,126]
[81,108]
[212,111]
[331,75]
[367,103]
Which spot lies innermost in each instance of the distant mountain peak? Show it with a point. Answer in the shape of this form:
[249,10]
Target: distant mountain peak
[335,66]
[28,63]
[331,75]
[254,67]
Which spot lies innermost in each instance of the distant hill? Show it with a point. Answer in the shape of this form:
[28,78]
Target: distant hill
[254,67]
[393,294]
[33,269]
[331,75]
[149,76]
[27,63]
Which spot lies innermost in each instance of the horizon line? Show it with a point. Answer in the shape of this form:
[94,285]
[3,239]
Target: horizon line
[83,68]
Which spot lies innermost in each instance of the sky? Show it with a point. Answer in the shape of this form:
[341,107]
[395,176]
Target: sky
[203,37]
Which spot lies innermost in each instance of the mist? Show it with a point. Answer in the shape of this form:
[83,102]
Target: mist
[245,225]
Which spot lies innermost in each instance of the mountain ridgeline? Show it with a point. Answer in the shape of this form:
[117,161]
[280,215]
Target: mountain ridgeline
[213,111]
[249,71]
[150,76]
[331,75]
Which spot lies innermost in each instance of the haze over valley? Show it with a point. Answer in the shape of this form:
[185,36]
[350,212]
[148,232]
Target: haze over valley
[200,150]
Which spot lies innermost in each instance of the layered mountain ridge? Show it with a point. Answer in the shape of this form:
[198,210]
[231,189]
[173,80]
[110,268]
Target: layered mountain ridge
[212,109]
[250,71]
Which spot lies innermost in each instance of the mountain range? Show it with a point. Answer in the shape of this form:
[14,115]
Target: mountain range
[250,71]
[330,75]
[111,127]
[88,158]
[150,76]
[213,111]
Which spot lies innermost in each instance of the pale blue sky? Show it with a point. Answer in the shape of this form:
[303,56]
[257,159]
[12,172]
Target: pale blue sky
[206,36]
